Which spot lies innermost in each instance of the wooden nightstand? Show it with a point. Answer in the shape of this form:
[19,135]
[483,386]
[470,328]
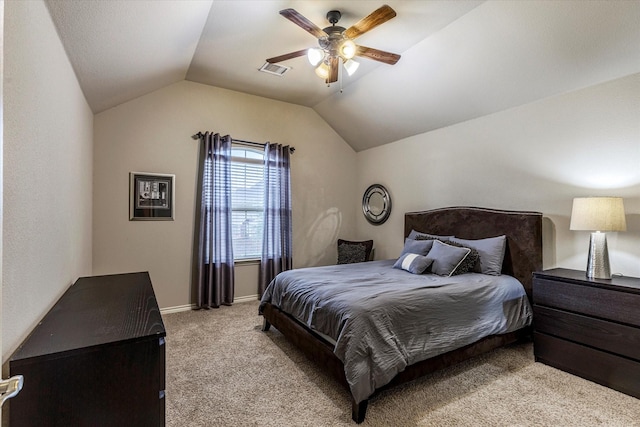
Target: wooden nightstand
[589,327]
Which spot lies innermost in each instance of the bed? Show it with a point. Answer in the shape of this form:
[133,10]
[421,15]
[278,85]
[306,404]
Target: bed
[358,365]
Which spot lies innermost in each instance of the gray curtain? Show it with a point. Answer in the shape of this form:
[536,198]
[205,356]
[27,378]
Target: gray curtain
[213,248]
[276,243]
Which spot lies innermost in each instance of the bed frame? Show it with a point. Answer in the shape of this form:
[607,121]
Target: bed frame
[523,256]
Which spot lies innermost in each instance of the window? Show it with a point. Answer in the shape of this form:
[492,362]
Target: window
[247,202]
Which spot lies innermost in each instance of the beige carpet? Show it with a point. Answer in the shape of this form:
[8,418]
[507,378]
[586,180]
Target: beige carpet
[222,370]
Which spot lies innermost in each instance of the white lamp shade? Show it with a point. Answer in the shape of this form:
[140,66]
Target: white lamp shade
[598,214]
[351,66]
[348,49]
[315,55]
[322,71]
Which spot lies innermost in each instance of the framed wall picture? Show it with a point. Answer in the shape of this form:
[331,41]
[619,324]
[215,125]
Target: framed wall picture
[151,196]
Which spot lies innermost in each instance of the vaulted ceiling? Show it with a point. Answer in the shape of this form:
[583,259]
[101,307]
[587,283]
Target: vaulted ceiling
[460,59]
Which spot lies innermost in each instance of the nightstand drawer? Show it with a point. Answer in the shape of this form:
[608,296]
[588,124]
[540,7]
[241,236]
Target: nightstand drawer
[608,336]
[589,300]
[607,369]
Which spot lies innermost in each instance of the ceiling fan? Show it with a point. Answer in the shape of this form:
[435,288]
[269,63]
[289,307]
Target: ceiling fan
[336,43]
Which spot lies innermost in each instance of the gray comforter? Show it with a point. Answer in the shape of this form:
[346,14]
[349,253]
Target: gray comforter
[383,319]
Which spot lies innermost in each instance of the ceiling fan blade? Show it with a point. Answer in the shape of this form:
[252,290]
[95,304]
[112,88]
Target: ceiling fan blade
[377,55]
[302,22]
[334,65]
[287,56]
[375,18]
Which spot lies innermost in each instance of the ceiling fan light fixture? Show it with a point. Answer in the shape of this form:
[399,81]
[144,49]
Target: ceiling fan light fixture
[351,66]
[322,71]
[337,43]
[348,49]
[315,55]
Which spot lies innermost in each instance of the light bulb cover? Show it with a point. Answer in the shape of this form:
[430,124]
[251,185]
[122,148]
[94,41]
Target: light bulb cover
[351,66]
[315,55]
[322,71]
[348,49]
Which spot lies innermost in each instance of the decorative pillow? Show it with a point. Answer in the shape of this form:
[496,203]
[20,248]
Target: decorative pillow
[366,245]
[446,258]
[420,247]
[416,235]
[413,263]
[490,252]
[348,254]
[469,263]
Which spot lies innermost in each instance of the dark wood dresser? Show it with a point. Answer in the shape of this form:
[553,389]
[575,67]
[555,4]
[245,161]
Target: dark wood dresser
[96,359]
[589,327]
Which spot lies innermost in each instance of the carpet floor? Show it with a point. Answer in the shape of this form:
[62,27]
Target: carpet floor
[222,370]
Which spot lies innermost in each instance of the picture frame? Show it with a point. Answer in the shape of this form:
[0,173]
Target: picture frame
[151,196]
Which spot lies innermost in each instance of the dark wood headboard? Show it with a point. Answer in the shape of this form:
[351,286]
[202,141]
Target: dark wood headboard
[523,254]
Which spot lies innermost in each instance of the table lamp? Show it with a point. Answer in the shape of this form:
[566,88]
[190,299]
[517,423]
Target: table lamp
[598,214]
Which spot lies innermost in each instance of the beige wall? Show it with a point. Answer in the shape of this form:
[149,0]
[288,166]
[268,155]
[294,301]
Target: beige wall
[534,157]
[153,134]
[47,188]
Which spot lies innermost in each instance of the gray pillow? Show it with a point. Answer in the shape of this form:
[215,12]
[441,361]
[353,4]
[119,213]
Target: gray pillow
[446,258]
[416,235]
[413,263]
[490,252]
[420,247]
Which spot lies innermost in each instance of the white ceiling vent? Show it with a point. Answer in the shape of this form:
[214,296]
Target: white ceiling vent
[276,69]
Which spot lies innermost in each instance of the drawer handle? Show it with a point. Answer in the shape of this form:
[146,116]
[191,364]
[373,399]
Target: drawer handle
[10,387]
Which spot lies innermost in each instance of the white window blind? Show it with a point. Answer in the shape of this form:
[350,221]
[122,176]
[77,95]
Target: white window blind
[247,198]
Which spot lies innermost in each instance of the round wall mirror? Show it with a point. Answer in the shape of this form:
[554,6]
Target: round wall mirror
[376,204]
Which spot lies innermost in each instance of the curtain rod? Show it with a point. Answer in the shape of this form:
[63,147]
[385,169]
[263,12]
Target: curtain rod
[241,141]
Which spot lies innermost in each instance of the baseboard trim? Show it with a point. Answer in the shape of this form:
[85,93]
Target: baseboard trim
[177,309]
[187,307]
[247,298]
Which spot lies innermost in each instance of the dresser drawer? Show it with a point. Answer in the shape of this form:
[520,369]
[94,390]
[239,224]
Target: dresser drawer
[588,300]
[607,369]
[612,337]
